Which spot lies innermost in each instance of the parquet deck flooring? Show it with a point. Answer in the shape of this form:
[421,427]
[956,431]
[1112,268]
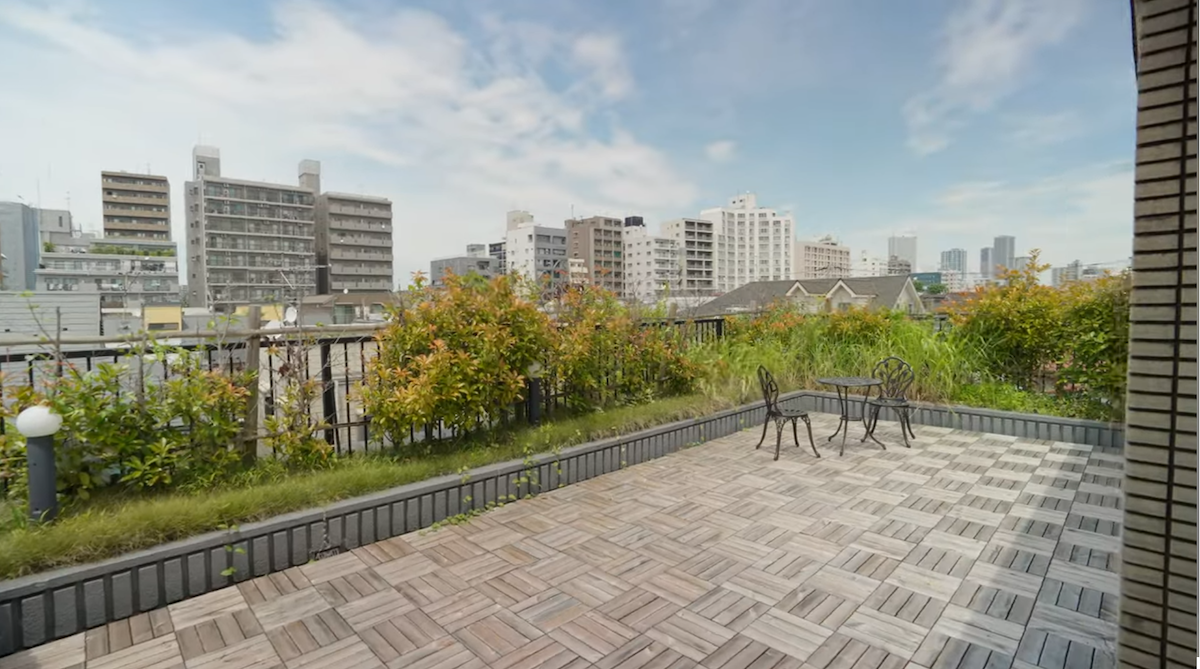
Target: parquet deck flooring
[966,551]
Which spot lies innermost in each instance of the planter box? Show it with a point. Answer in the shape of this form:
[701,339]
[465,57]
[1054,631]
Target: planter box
[48,606]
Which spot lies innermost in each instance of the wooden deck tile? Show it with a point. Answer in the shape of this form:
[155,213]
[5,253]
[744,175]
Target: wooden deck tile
[160,652]
[638,609]
[741,652]
[512,587]
[496,636]
[206,607]
[285,609]
[550,609]
[645,653]
[432,587]
[353,586]
[593,636]
[787,633]
[402,635]
[594,588]
[296,638]
[374,609]
[332,567]
[544,653]
[349,652]
[461,609]
[690,635]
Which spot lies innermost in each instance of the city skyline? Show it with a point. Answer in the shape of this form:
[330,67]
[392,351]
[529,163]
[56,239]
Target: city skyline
[380,94]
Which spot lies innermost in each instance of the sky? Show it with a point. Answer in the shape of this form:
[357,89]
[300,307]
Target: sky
[954,120]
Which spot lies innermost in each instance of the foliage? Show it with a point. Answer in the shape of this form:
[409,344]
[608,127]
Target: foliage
[48,247]
[458,355]
[121,428]
[1094,366]
[936,289]
[603,355]
[292,435]
[117,249]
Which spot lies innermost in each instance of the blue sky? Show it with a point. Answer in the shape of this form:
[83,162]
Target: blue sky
[952,120]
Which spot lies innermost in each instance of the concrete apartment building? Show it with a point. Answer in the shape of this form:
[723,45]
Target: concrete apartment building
[868,265]
[696,242]
[598,241]
[753,243]
[353,238]
[823,258]
[498,252]
[652,264]
[1004,252]
[467,265]
[136,206]
[537,253]
[897,266]
[903,247]
[248,242]
[954,260]
[126,273]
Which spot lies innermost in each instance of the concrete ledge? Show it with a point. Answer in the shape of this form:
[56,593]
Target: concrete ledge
[43,607]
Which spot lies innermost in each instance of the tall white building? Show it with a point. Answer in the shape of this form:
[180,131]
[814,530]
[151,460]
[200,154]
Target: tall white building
[823,258]
[652,267]
[536,252]
[1004,252]
[903,247]
[695,240]
[867,265]
[753,243]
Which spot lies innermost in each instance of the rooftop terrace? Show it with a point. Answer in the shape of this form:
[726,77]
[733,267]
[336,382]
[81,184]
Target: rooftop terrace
[969,550]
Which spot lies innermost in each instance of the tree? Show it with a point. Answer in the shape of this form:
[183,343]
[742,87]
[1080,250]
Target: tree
[936,289]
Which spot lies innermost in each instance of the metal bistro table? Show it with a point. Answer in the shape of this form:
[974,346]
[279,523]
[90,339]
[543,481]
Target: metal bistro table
[843,384]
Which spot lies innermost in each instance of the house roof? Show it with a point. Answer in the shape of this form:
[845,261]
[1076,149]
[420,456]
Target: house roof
[884,291]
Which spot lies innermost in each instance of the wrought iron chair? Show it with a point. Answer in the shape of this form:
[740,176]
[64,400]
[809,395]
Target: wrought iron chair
[897,377]
[781,416]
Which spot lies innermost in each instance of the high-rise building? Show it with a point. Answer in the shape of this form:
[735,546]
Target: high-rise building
[652,267]
[954,260]
[247,241]
[1004,252]
[753,243]
[1021,262]
[695,242]
[903,247]
[136,206]
[598,242]
[537,253]
[353,238]
[987,263]
[20,245]
[824,258]
[868,265]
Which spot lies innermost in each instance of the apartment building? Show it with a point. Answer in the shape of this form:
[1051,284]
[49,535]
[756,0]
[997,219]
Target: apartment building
[353,238]
[823,258]
[652,264]
[497,250]
[468,265]
[127,273]
[695,242]
[897,266]
[538,253]
[20,246]
[868,265]
[753,243]
[598,241]
[248,242]
[135,206]
[903,247]
[953,260]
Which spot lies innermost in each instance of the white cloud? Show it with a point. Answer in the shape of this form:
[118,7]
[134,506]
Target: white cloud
[720,151]
[453,127]
[1082,214]
[986,50]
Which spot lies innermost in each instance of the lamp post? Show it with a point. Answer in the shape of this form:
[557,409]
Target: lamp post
[39,424]
[534,373]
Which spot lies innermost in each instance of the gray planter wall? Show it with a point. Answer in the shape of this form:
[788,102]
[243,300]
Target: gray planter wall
[44,607]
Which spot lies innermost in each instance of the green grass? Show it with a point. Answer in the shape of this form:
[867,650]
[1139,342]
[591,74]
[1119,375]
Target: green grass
[112,525]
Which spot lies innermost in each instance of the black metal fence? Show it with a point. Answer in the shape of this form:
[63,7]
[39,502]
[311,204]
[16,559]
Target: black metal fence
[340,363]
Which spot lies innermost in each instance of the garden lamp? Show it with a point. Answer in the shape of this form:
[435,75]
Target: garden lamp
[39,424]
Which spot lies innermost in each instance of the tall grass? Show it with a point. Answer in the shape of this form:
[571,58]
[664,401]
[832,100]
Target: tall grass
[811,348]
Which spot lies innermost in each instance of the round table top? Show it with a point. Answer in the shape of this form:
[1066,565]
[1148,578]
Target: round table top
[849,381]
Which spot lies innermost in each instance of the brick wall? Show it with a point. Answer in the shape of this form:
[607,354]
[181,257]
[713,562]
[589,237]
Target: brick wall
[1158,575]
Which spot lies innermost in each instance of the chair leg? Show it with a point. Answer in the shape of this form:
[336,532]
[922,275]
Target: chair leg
[795,434]
[908,422]
[870,434]
[766,422]
[778,437]
[808,425]
[904,428]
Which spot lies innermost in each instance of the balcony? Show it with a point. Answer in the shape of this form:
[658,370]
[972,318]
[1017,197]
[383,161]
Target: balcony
[374,241]
[342,253]
[136,213]
[367,212]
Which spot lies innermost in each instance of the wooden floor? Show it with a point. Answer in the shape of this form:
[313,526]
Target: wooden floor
[969,550]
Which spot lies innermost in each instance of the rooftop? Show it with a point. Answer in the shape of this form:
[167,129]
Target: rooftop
[968,550]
